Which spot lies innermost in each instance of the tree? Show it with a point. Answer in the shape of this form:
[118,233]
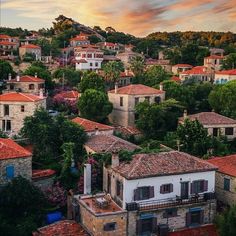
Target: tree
[137,65]
[229,62]
[92,80]
[21,199]
[94,105]
[112,71]
[5,70]
[222,99]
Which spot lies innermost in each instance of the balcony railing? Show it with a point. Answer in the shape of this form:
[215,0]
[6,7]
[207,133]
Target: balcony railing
[169,202]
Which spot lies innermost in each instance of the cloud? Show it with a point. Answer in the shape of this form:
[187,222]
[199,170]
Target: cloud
[138,17]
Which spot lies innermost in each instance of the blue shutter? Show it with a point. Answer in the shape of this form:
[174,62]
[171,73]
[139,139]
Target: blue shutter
[10,172]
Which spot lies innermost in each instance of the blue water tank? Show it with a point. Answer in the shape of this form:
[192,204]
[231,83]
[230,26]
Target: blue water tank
[53,217]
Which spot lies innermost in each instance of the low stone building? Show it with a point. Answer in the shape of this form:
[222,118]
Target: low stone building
[14,161]
[215,123]
[214,62]
[225,179]
[30,49]
[14,107]
[125,99]
[178,68]
[26,84]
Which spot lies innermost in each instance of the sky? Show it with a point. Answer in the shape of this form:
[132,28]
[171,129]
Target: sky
[137,17]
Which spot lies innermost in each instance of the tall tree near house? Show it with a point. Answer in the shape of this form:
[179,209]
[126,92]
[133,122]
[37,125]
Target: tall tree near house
[5,70]
[229,62]
[112,71]
[137,65]
[94,105]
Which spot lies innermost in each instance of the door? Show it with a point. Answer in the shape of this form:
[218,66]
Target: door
[184,190]
[215,132]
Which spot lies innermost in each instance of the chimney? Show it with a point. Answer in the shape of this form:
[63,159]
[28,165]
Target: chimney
[116,87]
[35,75]
[126,72]
[161,86]
[41,93]
[185,114]
[87,178]
[96,130]
[9,76]
[17,78]
[115,159]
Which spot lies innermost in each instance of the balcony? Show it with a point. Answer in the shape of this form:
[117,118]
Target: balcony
[169,202]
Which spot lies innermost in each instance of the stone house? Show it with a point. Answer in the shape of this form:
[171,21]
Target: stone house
[125,99]
[215,123]
[214,62]
[164,64]
[127,56]
[14,161]
[8,44]
[224,76]
[225,179]
[31,49]
[26,84]
[162,192]
[80,40]
[14,107]
[178,68]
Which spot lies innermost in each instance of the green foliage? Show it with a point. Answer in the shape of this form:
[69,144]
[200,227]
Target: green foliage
[92,80]
[229,62]
[94,105]
[112,71]
[222,99]
[137,65]
[149,47]
[5,70]
[29,57]
[2,135]
[49,48]
[94,39]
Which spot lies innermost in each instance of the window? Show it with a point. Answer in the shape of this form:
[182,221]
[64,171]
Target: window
[147,99]
[10,172]
[146,225]
[31,87]
[6,110]
[172,212]
[12,86]
[157,100]
[109,226]
[199,186]
[136,101]
[6,125]
[22,108]
[215,132]
[229,131]
[143,193]
[194,217]
[226,184]
[96,64]
[89,55]
[91,64]
[121,101]
[166,188]
[119,189]
[83,55]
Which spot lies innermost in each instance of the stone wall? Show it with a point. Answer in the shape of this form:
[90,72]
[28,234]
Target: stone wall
[22,166]
[227,197]
[44,183]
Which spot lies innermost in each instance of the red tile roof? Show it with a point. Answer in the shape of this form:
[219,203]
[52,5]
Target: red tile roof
[31,46]
[4,36]
[90,126]
[42,173]
[205,230]
[210,118]
[7,43]
[226,72]
[164,163]
[126,74]
[137,89]
[19,97]
[109,143]
[226,165]
[82,61]
[176,79]
[183,65]
[28,78]
[62,228]
[128,130]
[70,94]
[10,149]
[198,70]
[110,44]
[214,57]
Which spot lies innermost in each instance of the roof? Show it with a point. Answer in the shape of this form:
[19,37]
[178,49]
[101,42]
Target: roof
[110,58]
[128,130]
[197,70]
[4,36]
[226,165]
[210,118]
[42,173]
[7,43]
[163,163]
[126,74]
[137,89]
[205,230]
[73,94]
[176,79]
[19,97]
[183,65]
[28,78]
[62,228]
[226,72]
[32,46]
[109,143]
[90,126]
[214,57]
[109,44]
[82,61]
[10,149]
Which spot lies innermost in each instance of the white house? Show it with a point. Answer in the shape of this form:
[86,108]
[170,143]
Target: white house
[224,76]
[88,58]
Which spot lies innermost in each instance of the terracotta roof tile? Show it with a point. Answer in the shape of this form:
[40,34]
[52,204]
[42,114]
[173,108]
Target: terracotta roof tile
[214,57]
[7,43]
[90,126]
[32,46]
[27,78]
[226,72]
[164,163]
[73,94]
[10,149]
[19,97]
[42,173]
[176,79]
[198,70]
[62,228]
[128,130]
[183,65]
[137,89]
[226,165]
[109,143]
[4,36]
[210,118]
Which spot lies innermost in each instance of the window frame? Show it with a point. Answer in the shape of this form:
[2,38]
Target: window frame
[111,226]
[226,184]
[6,109]
[121,101]
[231,129]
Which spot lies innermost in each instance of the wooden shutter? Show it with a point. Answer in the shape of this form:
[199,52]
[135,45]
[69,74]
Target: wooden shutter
[138,227]
[161,189]
[171,188]
[192,188]
[10,172]
[205,186]
[201,217]
[188,218]
[151,191]
[154,225]
[136,194]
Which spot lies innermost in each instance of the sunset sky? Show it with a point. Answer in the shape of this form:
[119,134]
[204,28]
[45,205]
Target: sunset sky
[138,17]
